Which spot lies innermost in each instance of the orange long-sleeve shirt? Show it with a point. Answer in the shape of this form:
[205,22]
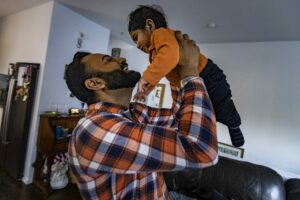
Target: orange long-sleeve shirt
[164,56]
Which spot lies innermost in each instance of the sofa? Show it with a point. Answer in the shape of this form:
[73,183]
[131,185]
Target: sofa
[233,179]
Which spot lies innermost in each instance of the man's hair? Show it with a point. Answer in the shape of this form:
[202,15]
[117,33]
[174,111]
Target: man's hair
[137,18]
[75,75]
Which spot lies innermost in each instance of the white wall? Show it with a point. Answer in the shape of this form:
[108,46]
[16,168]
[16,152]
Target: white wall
[264,78]
[24,38]
[65,28]
[265,87]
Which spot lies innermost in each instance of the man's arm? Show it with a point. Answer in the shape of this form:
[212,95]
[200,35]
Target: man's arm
[156,116]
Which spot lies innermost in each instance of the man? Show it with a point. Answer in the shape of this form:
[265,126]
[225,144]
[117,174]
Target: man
[119,150]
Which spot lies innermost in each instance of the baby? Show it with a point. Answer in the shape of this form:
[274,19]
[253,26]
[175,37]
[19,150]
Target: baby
[148,29]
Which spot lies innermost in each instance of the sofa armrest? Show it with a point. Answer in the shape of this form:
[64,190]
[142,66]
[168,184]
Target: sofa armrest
[292,187]
[232,178]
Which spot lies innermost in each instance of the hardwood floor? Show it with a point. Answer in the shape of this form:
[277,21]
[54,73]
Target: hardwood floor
[14,190]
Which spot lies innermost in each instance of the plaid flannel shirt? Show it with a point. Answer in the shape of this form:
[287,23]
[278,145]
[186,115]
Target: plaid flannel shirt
[114,157]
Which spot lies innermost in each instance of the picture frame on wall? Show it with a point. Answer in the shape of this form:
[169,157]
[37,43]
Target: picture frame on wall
[156,96]
[116,52]
[230,151]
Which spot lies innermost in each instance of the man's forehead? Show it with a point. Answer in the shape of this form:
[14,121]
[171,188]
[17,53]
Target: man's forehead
[98,61]
[91,57]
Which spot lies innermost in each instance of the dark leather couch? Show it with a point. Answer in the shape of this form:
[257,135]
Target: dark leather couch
[233,179]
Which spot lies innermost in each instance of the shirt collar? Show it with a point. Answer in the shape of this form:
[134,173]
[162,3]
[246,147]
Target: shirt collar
[106,107]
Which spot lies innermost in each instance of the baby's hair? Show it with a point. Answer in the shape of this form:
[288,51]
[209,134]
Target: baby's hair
[137,18]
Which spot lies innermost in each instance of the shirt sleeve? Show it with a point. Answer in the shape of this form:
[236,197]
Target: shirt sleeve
[166,57]
[155,116]
[113,144]
[158,116]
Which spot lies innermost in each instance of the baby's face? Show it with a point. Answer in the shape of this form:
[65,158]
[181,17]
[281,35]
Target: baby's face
[141,38]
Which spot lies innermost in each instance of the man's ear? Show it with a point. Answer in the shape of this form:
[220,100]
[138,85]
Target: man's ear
[150,25]
[95,83]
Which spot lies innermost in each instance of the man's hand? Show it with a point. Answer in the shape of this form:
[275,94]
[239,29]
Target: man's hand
[189,55]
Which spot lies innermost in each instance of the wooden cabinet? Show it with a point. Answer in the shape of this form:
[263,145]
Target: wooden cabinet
[48,145]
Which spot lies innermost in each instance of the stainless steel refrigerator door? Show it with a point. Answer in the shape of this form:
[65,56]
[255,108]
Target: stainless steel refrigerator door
[6,112]
[5,121]
[4,80]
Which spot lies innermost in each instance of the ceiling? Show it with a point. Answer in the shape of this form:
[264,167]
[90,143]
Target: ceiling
[235,20]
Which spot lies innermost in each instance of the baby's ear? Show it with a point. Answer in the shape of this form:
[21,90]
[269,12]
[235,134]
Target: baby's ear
[95,83]
[150,25]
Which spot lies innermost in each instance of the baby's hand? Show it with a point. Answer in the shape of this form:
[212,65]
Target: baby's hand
[143,90]
[139,96]
[142,86]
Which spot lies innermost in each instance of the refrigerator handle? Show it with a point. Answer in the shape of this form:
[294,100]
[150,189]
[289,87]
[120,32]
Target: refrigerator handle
[6,114]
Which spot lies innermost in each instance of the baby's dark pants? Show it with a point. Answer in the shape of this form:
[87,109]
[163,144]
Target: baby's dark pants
[220,95]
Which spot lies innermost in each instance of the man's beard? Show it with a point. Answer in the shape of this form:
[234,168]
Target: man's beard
[118,79]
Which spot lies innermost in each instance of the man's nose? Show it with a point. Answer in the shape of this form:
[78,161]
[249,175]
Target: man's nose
[138,45]
[121,60]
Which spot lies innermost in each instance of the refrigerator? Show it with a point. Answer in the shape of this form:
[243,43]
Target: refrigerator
[17,94]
